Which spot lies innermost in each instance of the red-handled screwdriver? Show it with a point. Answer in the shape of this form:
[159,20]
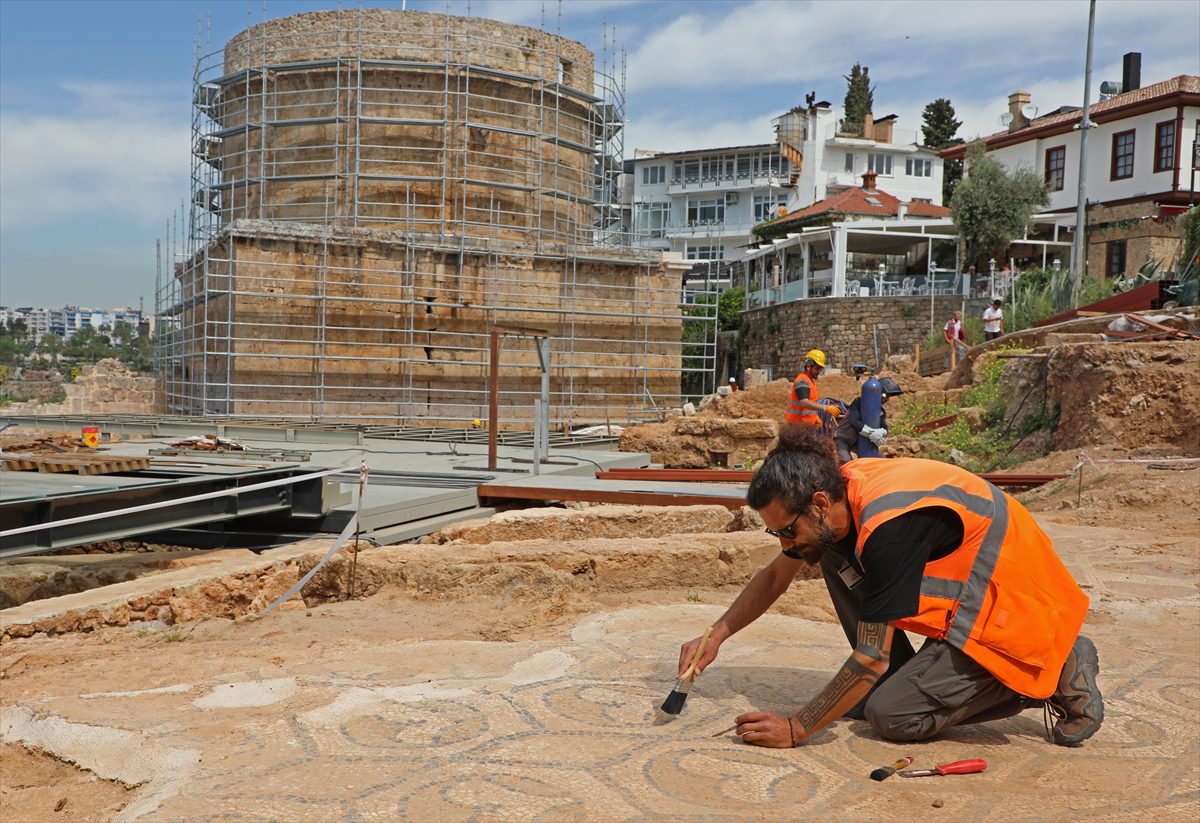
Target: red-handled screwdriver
[957,767]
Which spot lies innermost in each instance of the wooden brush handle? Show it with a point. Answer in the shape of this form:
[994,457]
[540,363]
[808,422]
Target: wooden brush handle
[690,674]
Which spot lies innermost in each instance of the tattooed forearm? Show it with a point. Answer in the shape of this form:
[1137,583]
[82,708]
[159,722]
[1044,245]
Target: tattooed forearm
[874,641]
[853,678]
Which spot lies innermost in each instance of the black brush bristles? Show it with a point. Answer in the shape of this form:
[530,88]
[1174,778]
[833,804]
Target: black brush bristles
[678,696]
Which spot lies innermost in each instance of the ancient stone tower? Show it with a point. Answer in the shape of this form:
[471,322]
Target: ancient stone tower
[373,192]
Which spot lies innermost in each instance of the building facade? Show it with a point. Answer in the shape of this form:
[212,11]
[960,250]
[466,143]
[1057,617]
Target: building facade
[1139,166]
[704,203]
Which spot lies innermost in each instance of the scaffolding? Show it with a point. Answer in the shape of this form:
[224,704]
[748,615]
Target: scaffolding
[372,191]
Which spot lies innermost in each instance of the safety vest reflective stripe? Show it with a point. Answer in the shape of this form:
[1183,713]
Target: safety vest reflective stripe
[941,587]
[969,593]
[1003,596]
[795,413]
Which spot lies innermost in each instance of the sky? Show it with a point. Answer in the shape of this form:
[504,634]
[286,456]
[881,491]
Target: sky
[95,96]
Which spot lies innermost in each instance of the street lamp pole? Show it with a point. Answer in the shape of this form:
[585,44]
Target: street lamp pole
[1085,124]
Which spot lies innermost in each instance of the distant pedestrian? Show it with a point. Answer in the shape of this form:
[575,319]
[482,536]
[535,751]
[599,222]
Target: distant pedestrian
[955,336]
[993,321]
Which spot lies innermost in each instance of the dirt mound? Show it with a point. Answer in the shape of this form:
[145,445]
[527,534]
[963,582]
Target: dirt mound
[595,521]
[1127,395]
[549,569]
[1155,496]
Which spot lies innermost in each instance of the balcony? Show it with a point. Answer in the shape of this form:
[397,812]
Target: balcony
[693,185]
[900,137]
[709,228]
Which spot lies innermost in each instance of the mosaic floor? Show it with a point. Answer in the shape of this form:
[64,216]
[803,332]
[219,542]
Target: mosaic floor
[569,730]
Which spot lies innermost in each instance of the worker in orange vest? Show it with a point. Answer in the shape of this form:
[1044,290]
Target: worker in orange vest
[909,545]
[803,405]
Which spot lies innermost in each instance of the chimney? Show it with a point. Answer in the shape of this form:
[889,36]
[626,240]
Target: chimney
[902,211]
[1016,101]
[1131,71]
[868,126]
[868,180]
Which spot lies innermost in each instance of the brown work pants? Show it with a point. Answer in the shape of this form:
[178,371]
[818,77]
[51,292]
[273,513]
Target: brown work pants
[923,691]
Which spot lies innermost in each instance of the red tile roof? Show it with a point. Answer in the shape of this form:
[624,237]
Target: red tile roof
[854,201]
[1110,109]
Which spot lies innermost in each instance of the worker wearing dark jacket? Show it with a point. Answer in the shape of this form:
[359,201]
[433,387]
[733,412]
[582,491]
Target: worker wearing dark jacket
[920,546]
[847,433]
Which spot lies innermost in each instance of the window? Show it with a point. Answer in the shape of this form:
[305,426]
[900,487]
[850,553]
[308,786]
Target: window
[928,200]
[1164,146]
[706,211]
[703,253]
[1115,267]
[1122,155]
[880,163]
[916,167]
[766,206]
[1056,168]
[743,166]
[653,174]
[651,219]
[849,161]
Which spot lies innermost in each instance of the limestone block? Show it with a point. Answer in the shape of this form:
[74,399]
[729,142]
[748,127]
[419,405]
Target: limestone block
[743,429]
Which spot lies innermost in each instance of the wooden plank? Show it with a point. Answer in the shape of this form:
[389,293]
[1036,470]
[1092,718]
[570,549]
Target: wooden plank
[492,491]
[84,464]
[685,475]
[931,425]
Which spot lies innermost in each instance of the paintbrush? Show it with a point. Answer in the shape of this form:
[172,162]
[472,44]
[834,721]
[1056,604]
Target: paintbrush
[675,700]
[884,772]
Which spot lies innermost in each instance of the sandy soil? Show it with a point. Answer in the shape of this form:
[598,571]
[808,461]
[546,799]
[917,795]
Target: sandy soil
[475,703]
[36,786]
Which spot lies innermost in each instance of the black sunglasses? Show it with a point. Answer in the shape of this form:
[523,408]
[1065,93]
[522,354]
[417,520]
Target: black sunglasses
[786,532]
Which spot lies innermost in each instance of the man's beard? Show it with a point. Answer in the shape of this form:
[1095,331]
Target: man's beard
[826,541]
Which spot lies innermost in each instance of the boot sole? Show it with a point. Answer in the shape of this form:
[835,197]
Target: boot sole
[1086,659]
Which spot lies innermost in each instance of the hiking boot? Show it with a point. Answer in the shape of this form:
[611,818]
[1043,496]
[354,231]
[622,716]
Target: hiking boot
[1077,703]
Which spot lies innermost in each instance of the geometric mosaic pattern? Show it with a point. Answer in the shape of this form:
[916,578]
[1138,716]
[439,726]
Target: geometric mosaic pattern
[470,730]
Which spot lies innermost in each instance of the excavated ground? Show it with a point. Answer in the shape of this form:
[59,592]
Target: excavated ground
[484,676]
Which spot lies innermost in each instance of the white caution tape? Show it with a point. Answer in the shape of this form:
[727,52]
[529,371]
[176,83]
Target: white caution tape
[163,504]
[351,528]
[346,534]
[1084,457]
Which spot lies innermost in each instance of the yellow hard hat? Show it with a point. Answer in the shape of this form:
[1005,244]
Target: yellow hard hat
[477,423]
[815,356]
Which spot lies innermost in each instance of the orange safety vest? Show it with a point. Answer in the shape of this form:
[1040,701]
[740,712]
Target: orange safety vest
[796,414]
[1003,597]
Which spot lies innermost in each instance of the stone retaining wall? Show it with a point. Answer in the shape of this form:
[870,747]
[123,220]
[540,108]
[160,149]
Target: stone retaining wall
[847,329]
[108,387]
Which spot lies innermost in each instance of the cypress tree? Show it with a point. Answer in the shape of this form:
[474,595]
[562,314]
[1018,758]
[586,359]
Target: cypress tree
[860,97]
[939,127]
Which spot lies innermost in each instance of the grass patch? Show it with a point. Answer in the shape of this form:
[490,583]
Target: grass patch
[992,446]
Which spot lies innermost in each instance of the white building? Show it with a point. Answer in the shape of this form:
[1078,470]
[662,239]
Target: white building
[704,203]
[829,157]
[1139,165]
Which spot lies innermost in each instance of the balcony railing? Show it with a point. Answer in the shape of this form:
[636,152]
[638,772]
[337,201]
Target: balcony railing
[766,177]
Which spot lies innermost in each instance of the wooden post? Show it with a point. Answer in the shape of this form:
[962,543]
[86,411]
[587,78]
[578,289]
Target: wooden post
[917,359]
[493,398]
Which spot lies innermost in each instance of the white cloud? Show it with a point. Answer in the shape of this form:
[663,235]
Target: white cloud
[767,42]
[664,132]
[115,152]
